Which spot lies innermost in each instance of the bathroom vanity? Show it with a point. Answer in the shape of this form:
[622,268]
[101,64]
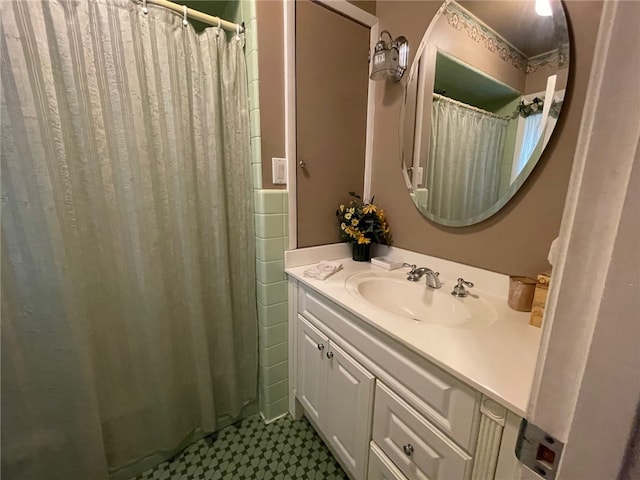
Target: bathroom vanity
[407,382]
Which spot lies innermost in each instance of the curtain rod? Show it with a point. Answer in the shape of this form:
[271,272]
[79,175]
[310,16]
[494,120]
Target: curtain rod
[466,105]
[201,17]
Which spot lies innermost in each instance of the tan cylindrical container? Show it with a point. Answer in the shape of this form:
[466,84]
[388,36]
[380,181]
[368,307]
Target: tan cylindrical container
[521,292]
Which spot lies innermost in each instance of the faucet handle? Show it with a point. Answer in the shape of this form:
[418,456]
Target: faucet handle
[411,266]
[459,290]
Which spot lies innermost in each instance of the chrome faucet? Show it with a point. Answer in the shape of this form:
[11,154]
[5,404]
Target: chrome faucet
[416,274]
[459,290]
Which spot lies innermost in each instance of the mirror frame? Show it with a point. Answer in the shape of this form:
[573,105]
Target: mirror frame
[559,19]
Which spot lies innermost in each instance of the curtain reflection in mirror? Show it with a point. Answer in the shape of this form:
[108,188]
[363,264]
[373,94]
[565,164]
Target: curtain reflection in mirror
[465,154]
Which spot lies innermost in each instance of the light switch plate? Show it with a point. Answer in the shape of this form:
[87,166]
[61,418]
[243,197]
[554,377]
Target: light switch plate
[279,171]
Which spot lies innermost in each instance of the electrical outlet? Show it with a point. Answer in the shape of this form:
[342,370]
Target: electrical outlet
[279,171]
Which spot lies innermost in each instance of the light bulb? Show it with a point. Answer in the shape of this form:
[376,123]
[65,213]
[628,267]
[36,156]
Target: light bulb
[543,8]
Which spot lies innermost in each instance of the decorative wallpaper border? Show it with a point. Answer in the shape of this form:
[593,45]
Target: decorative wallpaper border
[461,19]
[555,59]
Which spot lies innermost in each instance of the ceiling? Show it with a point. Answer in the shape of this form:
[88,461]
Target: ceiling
[517,22]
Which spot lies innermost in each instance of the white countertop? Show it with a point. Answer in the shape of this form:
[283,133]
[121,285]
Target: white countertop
[498,360]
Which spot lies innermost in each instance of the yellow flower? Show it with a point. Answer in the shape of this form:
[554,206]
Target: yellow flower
[362,239]
[357,219]
[369,208]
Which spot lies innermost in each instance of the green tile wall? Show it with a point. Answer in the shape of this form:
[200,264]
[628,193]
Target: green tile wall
[271,240]
[271,286]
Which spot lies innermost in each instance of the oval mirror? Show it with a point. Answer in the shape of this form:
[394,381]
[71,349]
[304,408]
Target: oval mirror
[482,98]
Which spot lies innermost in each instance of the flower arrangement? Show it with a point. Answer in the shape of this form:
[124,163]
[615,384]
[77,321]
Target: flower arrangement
[524,108]
[363,222]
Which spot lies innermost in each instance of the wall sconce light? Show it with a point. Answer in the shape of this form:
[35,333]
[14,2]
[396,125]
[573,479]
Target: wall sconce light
[390,58]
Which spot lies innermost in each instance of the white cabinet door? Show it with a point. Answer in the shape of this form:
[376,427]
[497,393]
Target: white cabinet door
[313,346]
[348,415]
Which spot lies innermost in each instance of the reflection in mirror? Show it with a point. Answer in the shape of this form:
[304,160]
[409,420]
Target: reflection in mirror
[482,98]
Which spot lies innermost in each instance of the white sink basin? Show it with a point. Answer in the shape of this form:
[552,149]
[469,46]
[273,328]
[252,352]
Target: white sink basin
[393,293]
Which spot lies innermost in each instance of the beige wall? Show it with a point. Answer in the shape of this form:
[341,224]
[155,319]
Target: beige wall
[537,81]
[516,240]
[367,5]
[271,66]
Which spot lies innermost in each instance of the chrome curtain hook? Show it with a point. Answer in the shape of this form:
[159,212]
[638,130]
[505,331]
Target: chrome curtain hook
[145,10]
[185,23]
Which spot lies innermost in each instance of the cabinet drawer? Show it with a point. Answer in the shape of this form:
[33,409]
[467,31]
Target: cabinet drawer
[443,399]
[415,445]
[380,467]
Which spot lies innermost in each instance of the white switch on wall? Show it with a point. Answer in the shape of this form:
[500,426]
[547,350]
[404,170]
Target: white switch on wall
[279,170]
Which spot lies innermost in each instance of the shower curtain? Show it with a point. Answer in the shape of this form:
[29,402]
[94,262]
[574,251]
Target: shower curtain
[128,257]
[465,158]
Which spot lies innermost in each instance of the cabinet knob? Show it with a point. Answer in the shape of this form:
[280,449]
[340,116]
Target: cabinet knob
[321,346]
[408,449]
[329,355]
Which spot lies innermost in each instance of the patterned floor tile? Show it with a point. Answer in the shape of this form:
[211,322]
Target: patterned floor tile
[286,449]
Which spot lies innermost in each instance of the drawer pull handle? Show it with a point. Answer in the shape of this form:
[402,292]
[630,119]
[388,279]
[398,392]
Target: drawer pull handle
[408,449]
[321,346]
[329,355]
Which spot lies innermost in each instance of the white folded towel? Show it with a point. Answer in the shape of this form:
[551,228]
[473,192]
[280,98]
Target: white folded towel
[323,270]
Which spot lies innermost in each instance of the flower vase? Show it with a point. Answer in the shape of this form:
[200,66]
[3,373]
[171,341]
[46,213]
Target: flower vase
[361,252]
